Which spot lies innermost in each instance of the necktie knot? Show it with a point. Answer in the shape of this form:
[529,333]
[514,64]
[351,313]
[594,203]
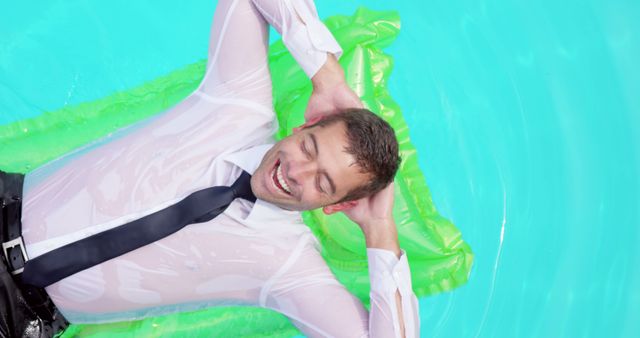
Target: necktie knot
[242,187]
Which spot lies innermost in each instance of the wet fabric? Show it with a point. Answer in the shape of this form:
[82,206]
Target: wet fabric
[200,206]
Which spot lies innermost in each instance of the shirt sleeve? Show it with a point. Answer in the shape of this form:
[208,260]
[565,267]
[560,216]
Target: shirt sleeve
[237,62]
[306,37]
[389,274]
[309,294]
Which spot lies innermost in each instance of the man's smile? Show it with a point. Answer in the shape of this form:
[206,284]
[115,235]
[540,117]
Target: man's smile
[277,179]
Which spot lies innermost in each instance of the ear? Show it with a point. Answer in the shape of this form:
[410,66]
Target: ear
[307,123]
[333,208]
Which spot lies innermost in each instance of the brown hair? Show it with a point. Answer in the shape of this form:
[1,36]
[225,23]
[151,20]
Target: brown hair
[373,143]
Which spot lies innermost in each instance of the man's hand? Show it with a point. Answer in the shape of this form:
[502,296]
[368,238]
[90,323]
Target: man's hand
[330,91]
[374,215]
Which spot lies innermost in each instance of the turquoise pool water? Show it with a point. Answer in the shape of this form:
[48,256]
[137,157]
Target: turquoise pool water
[526,117]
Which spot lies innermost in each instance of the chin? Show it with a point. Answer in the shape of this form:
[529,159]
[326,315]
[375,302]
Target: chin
[267,195]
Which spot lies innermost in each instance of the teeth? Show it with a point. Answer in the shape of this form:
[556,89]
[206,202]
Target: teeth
[281,179]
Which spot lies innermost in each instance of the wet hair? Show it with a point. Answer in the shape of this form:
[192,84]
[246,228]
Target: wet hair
[373,144]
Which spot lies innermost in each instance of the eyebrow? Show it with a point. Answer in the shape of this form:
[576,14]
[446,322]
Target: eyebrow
[315,147]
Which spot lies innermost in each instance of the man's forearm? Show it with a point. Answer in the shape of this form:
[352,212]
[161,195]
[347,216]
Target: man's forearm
[331,93]
[386,237]
[304,35]
[329,75]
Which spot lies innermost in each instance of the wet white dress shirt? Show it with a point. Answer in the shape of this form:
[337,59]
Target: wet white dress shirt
[254,253]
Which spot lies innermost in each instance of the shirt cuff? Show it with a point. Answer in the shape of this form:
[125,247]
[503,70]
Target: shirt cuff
[309,40]
[387,272]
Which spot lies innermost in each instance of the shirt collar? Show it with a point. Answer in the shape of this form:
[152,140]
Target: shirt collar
[249,159]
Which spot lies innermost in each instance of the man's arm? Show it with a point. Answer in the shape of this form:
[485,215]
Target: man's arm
[388,266]
[305,36]
[316,51]
[384,254]
[315,301]
[331,93]
[309,294]
[238,45]
[237,65]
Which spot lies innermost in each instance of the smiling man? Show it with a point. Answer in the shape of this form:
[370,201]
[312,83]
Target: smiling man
[257,251]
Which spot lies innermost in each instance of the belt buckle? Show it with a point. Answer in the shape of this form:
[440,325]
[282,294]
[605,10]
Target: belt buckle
[10,245]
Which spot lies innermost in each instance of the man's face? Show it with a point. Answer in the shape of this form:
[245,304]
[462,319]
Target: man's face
[308,170]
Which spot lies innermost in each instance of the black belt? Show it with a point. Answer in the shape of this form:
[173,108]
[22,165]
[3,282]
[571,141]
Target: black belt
[13,246]
[14,253]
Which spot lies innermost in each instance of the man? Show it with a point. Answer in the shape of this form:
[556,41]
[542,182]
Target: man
[254,253]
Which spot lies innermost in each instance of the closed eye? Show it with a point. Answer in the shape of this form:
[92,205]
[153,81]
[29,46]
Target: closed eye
[318,185]
[303,147]
[305,150]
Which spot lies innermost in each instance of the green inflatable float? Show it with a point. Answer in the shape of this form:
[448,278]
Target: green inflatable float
[438,257]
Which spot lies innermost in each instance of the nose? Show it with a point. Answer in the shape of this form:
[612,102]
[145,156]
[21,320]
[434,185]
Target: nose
[298,172]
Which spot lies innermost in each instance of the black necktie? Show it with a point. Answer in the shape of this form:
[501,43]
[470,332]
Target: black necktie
[200,206]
